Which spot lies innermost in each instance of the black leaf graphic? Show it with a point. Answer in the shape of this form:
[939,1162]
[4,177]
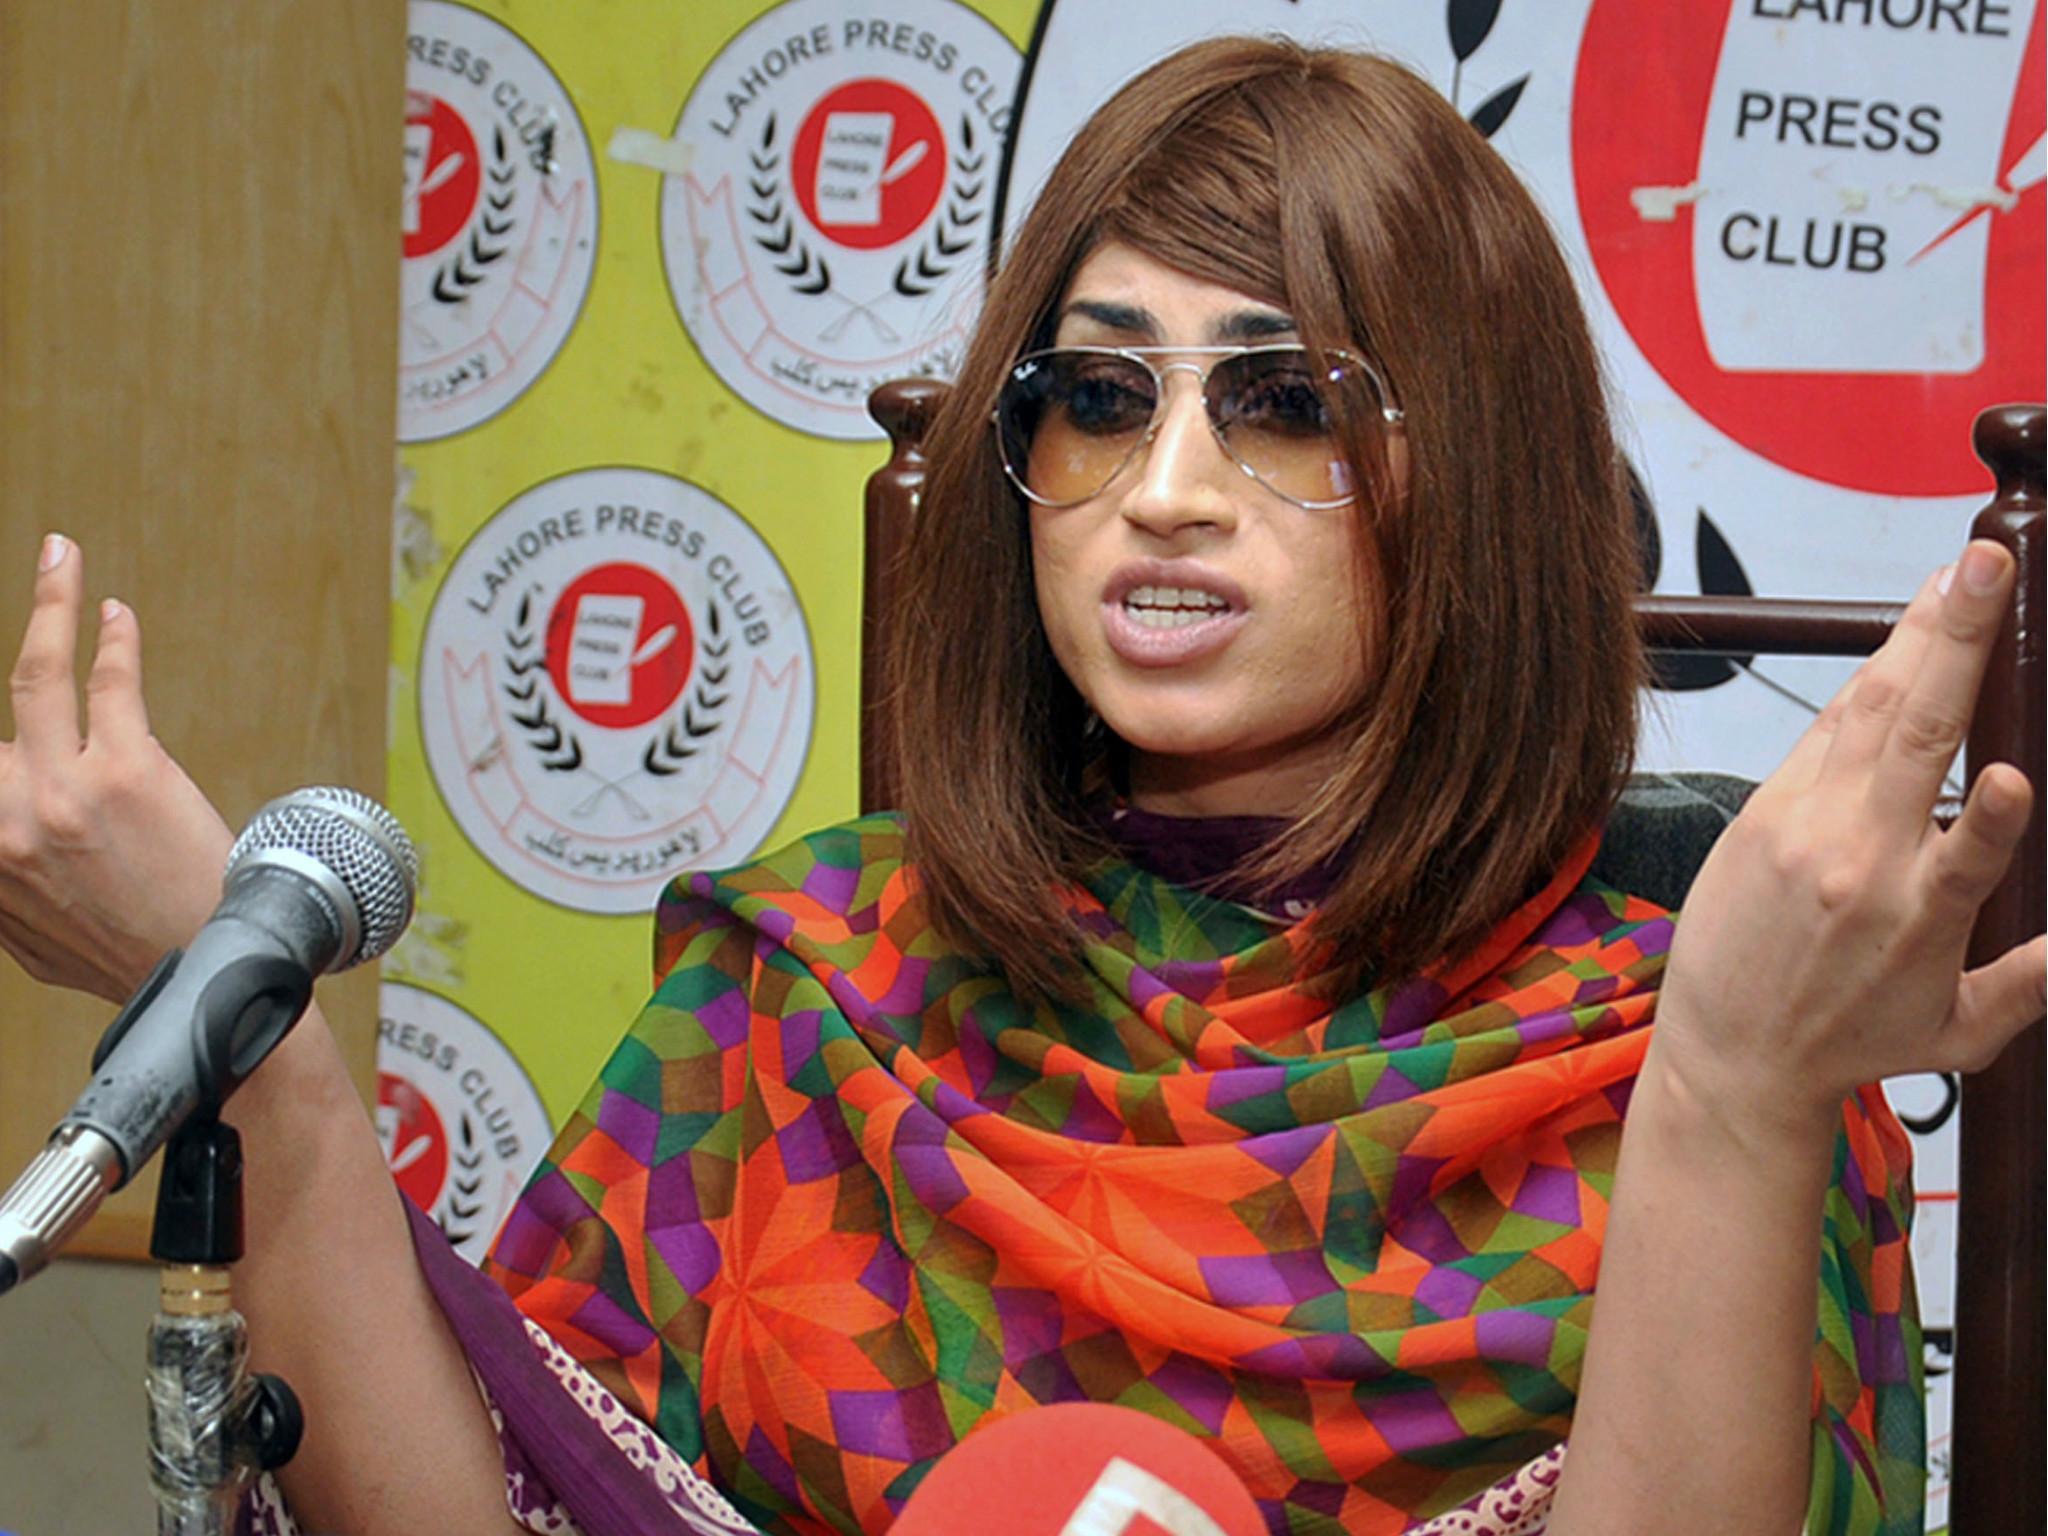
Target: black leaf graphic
[1491,113]
[1941,1359]
[560,752]
[460,273]
[1721,574]
[456,1235]
[1649,542]
[1468,22]
[698,719]
[1951,1097]
[1686,672]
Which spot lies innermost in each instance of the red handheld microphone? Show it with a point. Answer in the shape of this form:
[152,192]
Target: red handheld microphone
[1080,1469]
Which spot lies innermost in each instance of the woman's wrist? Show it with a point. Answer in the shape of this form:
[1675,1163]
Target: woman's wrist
[1760,1112]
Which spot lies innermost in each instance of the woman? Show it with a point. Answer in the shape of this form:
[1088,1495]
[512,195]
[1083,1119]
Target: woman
[1281,469]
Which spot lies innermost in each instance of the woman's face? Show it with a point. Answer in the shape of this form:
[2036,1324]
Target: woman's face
[1230,710]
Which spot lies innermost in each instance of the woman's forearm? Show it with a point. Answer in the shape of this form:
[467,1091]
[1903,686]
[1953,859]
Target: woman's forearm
[1694,1407]
[397,1439]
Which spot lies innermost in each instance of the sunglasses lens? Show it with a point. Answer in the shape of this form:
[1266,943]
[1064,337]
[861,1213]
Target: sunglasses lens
[1273,410]
[1068,421]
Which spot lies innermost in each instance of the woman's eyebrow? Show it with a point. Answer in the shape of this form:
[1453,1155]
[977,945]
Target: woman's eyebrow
[1128,318]
[1244,325]
[1255,325]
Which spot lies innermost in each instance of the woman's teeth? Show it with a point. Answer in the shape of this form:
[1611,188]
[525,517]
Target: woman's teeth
[1171,607]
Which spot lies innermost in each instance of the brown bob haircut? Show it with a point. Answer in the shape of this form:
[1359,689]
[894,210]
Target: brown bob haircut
[1500,716]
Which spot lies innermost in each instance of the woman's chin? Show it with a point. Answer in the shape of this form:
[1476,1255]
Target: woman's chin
[1169,740]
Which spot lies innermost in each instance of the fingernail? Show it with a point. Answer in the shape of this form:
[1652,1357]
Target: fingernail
[54,546]
[1944,578]
[1981,568]
[110,610]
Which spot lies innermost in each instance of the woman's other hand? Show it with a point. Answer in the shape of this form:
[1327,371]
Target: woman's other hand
[109,854]
[1822,944]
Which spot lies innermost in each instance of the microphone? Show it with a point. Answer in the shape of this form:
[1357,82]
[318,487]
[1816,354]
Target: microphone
[320,880]
[1080,1469]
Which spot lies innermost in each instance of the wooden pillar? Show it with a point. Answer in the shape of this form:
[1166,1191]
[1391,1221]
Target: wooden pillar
[1997,1466]
[199,252]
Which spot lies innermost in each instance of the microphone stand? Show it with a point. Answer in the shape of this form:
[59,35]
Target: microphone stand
[212,1425]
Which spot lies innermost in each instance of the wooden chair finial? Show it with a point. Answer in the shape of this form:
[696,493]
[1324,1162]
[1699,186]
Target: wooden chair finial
[905,409]
[2010,439]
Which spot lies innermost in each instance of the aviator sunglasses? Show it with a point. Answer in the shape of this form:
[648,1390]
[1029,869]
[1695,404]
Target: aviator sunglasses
[1068,419]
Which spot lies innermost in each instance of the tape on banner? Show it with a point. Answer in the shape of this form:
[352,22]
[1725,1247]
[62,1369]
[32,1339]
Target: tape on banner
[636,146]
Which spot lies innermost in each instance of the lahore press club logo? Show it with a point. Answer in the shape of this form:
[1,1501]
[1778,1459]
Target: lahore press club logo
[461,1124]
[1840,300]
[615,686]
[831,231]
[500,220]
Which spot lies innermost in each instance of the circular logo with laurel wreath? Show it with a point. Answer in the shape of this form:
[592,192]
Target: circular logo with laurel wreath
[615,686]
[829,234]
[500,220]
[460,1122]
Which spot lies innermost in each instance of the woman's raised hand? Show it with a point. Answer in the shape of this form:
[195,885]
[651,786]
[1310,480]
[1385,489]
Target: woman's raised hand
[109,854]
[1822,944]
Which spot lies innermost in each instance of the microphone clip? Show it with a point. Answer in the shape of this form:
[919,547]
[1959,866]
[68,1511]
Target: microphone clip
[212,1425]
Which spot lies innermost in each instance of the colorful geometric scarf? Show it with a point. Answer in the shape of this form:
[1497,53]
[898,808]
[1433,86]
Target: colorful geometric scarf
[841,1194]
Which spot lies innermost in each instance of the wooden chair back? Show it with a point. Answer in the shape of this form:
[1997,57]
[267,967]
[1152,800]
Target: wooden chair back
[1996,1483]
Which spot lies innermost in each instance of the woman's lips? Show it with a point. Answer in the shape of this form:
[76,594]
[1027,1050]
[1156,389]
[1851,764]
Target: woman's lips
[1169,613]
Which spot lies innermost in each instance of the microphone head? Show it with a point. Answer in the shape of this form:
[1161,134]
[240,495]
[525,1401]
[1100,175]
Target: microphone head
[352,849]
[1081,1469]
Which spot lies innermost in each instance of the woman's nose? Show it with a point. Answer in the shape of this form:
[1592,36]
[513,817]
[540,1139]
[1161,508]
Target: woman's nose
[1184,478]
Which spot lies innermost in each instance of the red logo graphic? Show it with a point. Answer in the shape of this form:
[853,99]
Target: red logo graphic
[442,174]
[620,646]
[869,164]
[418,1150]
[1894,433]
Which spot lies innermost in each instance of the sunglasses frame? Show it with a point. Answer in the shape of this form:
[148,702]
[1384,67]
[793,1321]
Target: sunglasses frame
[1217,355]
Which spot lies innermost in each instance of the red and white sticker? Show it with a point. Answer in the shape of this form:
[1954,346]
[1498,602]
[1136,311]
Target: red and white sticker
[499,222]
[615,686]
[460,1122]
[832,229]
[1822,222]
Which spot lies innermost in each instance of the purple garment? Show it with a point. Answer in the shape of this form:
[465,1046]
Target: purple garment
[563,1447]
[1207,853]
